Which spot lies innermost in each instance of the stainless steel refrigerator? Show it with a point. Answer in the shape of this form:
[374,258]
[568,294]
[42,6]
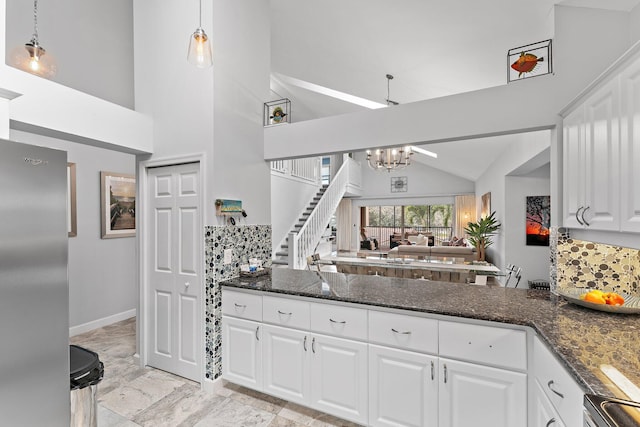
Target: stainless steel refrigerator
[34,291]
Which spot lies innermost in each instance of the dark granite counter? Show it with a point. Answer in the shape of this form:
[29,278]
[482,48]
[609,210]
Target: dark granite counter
[581,338]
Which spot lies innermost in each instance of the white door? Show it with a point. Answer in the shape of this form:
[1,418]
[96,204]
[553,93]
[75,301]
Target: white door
[630,150]
[339,383]
[175,270]
[286,363]
[602,137]
[403,388]
[481,396]
[242,352]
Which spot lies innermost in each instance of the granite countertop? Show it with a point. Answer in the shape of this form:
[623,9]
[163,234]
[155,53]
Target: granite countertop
[581,338]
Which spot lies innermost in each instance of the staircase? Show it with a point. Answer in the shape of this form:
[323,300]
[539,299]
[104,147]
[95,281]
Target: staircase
[282,256]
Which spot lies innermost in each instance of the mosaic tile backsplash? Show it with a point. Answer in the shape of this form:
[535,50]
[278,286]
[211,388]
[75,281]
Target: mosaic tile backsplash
[597,265]
[246,241]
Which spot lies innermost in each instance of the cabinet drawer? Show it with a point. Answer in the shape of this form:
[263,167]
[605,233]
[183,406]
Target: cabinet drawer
[286,312]
[241,304]
[346,322]
[402,331]
[556,381]
[484,344]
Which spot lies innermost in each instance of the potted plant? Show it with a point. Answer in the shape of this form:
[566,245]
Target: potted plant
[480,233]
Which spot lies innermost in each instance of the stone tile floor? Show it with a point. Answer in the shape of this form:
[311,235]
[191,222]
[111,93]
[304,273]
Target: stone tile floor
[131,396]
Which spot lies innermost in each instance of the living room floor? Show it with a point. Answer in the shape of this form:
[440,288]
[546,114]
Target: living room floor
[130,396]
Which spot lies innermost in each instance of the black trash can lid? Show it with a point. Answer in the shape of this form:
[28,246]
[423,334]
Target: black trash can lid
[82,361]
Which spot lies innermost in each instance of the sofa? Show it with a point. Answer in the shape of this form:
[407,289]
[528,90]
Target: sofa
[424,251]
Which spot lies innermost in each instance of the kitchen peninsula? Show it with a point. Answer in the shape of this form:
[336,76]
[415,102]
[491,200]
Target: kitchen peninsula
[512,333]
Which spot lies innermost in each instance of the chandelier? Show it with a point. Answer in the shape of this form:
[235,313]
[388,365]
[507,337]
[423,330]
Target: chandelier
[389,158]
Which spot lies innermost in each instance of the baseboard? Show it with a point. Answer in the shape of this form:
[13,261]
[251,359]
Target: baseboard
[99,323]
[212,386]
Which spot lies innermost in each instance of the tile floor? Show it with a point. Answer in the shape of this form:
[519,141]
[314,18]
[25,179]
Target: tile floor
[131,396]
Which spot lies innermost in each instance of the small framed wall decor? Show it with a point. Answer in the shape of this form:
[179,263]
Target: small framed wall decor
[117,205]
[399,184]
[528,61]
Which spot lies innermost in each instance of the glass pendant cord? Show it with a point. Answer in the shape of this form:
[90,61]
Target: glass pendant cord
[34,39]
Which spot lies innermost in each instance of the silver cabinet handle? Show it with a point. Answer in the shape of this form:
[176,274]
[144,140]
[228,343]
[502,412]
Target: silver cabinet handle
[286,314]
[584,220]
[549,384]
[401,333]
[433,373]
[304,343]
[577,213]
[239,305]
[257,336]
[335,321]
[313,345]
[551,421]
[187,284]
[445,373]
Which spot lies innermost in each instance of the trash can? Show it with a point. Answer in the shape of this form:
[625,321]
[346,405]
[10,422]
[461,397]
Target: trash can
[86,372]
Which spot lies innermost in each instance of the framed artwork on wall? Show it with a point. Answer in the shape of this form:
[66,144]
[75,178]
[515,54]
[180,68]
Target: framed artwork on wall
[538,220]
[117,205]
[399,184]
[72,224]
[485,205]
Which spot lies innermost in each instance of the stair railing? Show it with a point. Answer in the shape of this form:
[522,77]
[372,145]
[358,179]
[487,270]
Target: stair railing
[304,242]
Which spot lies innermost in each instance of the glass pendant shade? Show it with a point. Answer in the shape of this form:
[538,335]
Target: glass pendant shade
[200,50]
[33,59]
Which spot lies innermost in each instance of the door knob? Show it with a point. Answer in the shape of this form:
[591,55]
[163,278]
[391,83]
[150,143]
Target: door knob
[187,284]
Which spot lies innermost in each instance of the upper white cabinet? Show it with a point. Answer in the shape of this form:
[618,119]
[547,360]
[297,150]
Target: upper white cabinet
[591,161]
[630,149]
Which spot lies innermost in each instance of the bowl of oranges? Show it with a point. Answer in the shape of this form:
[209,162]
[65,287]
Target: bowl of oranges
[612,302]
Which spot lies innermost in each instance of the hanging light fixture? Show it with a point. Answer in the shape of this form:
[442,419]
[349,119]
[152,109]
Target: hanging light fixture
[389,158]
[32,57]
[200,47]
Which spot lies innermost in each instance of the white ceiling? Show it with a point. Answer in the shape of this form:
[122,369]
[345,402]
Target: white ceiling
[433,48]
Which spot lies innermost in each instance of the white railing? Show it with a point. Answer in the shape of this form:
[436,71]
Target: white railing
[305,169]
[303,243]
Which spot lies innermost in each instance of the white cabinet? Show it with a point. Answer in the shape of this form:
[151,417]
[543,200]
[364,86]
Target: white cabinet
[403,388]
[591,143]
[286,363]
[481,396]
[339,382]
[630,149]
[242,352]
[543,414]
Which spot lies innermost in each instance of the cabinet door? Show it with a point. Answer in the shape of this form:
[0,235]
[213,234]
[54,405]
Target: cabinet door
[542,412]
[573,167]
[339,383]
[602,138]
[285,364]
[630,150]
[403,388]
[242,352]
[480,396]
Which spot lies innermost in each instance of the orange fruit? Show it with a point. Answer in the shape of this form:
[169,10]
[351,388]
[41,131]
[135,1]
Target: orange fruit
[594,297]
[613,298]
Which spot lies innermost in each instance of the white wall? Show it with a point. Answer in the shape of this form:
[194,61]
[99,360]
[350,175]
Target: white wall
[534,260]
[91,40]
[289,198]
[102,272]
[524,148]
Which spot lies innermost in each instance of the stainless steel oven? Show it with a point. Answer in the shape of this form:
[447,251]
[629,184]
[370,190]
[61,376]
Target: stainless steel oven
[609,412]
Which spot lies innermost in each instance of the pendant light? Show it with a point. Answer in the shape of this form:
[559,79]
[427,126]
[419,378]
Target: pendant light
[200,47]
[32,57]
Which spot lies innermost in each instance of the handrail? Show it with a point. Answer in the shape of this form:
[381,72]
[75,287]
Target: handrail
[303,243]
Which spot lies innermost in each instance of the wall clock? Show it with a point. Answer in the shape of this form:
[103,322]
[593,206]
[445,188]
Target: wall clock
[399,184]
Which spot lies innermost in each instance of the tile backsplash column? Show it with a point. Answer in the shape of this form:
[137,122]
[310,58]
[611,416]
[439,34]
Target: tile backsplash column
[580,264]
[245,241]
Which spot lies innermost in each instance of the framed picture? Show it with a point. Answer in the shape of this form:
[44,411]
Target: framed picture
[538,220]
[485,205]
[72,224]
[117,205]
[399,184]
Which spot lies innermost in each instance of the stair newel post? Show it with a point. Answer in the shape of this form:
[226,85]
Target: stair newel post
[293,250]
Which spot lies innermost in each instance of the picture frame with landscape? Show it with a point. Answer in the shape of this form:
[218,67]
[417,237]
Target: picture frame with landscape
[117,205]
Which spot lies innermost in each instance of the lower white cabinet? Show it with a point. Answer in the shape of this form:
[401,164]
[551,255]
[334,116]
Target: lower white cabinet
[481,396]
[403,388]
[326,373]
[242,352]
[543,414]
